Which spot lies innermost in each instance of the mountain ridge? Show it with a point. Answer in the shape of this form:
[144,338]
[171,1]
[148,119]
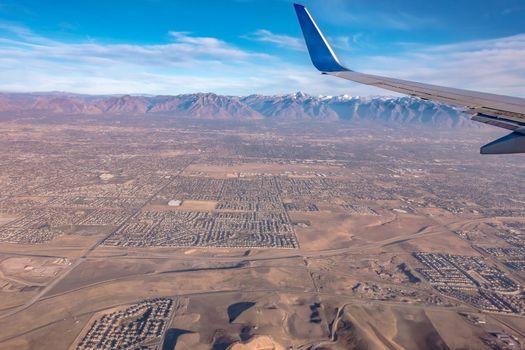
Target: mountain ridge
[295,106]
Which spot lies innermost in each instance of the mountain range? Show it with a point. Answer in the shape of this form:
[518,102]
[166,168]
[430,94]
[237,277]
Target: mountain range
[296,106]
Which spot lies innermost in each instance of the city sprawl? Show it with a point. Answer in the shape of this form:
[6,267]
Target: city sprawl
[122,231]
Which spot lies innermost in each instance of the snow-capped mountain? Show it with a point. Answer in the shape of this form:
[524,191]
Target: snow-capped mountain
[294,106]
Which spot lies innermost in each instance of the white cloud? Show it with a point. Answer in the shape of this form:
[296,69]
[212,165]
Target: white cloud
[183,48]
[283,41]
[189,63]
[494,65]
[297,43]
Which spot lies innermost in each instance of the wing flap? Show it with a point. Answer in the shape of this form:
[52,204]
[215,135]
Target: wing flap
[509,144]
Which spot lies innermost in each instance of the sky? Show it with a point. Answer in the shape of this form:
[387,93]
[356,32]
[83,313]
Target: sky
[242,47]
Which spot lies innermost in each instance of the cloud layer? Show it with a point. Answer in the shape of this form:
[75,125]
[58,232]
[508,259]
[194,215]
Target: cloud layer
[189,63]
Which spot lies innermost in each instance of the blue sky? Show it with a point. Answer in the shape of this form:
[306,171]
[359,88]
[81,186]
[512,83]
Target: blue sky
[242,47]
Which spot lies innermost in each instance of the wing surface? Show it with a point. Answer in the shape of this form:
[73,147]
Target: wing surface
[498,110]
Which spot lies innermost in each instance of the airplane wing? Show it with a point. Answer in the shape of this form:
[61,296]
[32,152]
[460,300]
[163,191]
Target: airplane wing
[498,110]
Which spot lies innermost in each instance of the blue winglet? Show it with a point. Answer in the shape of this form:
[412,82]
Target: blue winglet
[321,54]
